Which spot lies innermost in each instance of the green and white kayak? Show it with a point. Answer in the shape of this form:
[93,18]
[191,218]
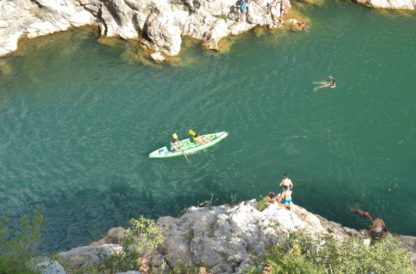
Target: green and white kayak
[188,146]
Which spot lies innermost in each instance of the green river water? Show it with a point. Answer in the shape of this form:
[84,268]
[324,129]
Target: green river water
[78,119]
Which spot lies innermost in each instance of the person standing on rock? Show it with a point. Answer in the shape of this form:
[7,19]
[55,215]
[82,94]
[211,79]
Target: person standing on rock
[243,8]
[286,181]
[286,197]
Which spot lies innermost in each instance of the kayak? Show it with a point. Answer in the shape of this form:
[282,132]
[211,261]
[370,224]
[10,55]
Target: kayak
[187,146]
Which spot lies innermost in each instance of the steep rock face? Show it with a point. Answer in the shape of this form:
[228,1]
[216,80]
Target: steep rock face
[37,17]
[160,23]
[224,239]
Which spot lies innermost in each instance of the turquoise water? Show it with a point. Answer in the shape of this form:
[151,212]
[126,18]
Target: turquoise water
[78,120]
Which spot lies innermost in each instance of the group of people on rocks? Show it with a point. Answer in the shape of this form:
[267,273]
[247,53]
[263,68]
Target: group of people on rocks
[284,197]
[377,227]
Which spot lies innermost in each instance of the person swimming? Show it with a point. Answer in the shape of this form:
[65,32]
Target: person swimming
[331,83]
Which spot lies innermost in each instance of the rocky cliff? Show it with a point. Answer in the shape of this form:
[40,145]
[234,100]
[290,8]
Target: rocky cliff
[224,239]
[159,24]
[390,4]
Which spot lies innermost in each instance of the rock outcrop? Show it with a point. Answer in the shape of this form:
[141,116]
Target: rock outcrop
[390,4]
[224,239]
[159,24]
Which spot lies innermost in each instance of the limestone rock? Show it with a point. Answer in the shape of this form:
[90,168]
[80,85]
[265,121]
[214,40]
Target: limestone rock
[87,256]
[226,238]
[113,236]
[160,24]
[45,265]
[390,4]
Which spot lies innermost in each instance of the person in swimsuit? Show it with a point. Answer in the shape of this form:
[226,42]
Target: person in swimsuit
[286,197]
[175,144]
[331,83]
[198,139]
[286,181]
[303,26]
[243,8]
[377,228]
[271,197]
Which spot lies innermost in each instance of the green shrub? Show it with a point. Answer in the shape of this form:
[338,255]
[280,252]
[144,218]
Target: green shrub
[19,241]
[142,235]
[261,204]
[305,253]
[222,16]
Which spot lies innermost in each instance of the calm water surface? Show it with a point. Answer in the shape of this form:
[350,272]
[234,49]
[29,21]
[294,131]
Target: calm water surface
[78,120]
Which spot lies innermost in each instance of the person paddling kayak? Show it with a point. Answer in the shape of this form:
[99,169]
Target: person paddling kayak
[198,139]
[175,144]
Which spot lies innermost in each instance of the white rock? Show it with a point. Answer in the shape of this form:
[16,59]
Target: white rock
[45,265]
[87,256]
[157,56]
[161,23]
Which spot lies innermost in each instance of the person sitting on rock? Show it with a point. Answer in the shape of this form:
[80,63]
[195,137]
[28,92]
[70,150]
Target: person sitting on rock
[271,197]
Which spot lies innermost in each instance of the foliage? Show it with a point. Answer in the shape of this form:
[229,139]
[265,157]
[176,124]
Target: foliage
[222,16]
[305,253]
[19,241]
[261,204]
[142,235]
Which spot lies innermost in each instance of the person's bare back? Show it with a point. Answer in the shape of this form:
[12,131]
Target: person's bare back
[286,181]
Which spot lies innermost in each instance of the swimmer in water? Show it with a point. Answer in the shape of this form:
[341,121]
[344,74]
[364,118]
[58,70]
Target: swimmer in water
[331,83]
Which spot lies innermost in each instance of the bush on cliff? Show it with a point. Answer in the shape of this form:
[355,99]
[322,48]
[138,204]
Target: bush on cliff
[19,241]
[141,236]
[304,253]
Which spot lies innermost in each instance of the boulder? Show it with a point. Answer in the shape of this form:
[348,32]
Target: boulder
[45,265]
[87,256]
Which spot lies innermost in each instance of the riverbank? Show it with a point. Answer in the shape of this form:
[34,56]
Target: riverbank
[158,26]
[221,239]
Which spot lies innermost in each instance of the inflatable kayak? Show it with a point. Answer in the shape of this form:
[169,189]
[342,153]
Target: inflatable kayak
[187,146]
